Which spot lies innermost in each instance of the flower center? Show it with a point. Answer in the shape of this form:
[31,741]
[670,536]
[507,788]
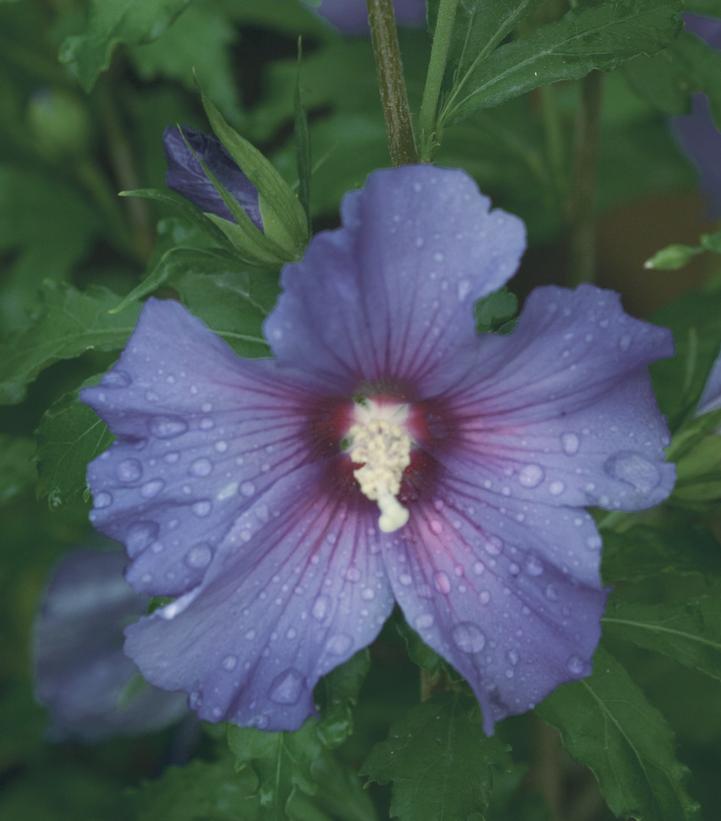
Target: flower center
[379,441]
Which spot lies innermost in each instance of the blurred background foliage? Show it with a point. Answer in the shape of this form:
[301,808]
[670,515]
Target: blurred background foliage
[86,90]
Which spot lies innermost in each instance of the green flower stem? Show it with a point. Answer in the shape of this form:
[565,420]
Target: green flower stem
[428,118]
[391,82]
[582,257]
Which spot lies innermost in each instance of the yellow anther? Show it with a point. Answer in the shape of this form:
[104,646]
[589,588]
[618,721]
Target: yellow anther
[381,444]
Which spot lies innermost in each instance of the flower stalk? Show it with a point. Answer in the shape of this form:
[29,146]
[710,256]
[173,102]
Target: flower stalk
[391,82]
[428,117]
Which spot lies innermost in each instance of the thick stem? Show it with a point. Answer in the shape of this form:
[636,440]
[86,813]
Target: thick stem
[428,117]
[582,258]
[391,82]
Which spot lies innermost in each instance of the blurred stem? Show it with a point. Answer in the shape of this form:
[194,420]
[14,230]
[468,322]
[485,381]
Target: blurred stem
[391,82]
[123,163]
[428,117]
[582,261]
[555,148]
[546,774]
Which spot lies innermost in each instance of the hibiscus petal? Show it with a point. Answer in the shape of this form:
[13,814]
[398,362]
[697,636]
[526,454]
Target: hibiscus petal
[81,672]
[562,411]
[202,434]
[507,593]
[300,587]
[390,295]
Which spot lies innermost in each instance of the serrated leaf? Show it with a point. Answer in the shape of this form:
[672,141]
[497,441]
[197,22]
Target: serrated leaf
[607,724]
[688,631]
[599,36]
[69,323]
[111,22]
[233,305]
[17,472]
[298,778]
[439,761]
[70,435]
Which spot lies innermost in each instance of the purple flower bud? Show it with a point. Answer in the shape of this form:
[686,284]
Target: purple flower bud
[351,16]
[91,689]
[186,176]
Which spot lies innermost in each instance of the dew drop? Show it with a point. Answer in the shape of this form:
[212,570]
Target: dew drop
[201,467]
[199,556]
[102,499]
[594,542]
[129,470]
[424,621]
[468,637]
[484,596]
[229,663]
[551,593]
[202,508]
[339,644]
[287,687]
[633,469]
[320,608]
[140,536]
[442,583]
[479,568]
[368,593]
[575,666]
[534,567]
[152,488]
[247,488]
[556,488]
[436,526]
[353,574]
[531,476]
[570,443]
[116,379]
[167,427]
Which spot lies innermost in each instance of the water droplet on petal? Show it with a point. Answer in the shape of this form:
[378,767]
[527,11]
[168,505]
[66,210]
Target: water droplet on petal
[534,567]
[633,469]
[436,526]
[556,488]
[102,499]
[247,488]
[167,427]
[152,488]
[320,608]
[201,467]
[199,556]
[229,663]
[468,637]
[116,379]
[368,593]
[484,596]
[594,542]
[129,470]
[339,644]
[353,574]
[531,476]
[202,508]
[570,443]
[424,621]
[287,687]
[576,666]
[442,583]
[140,536]
[551,593]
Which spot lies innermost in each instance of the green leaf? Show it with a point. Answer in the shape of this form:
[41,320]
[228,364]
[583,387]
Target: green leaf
[340,690]
[674,546]
[69,323]
[607,724]
[668,80]
[599,36]
[233,305]
[199,43]
[17,472]
[284,220]
[688,631]
[494,312]
[70,435]
[185,208]
[439,761]
[201,790]
[298,777]
[302,145]
[111,22]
